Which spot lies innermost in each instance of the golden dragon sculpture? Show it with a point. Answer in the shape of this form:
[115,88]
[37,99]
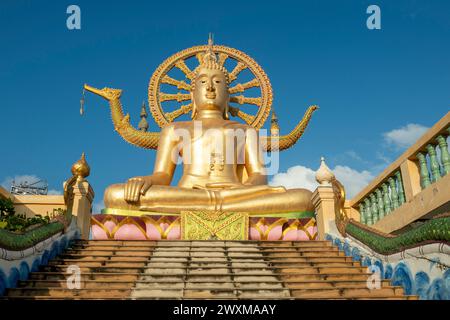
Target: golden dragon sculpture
[149,140]
[287,141]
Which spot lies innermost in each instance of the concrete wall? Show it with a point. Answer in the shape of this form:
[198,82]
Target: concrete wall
[35,204]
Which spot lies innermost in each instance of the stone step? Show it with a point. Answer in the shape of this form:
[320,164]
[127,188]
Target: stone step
[294,252]
[347,292]
[147,293]
[64,292]
[209,293]
[142,267]
[198,264]
[277,255]
[99,276]
[117,284]
[198,248]
[88,258]
[215,243]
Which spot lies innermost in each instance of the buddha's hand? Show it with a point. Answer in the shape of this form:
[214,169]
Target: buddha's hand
[135,187]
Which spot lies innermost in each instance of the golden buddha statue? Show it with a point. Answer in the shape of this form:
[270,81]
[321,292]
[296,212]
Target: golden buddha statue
[222,159]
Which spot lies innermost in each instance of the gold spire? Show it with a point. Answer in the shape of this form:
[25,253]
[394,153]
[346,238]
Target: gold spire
[274,127]
[210,40]
[209,56]
[81,169]
[274,121]
[143,124]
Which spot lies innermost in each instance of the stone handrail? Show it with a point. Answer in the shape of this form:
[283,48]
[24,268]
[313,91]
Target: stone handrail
[401,193]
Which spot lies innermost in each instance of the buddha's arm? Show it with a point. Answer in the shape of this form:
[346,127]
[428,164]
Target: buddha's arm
[166,157]
[162,174]
[253,160]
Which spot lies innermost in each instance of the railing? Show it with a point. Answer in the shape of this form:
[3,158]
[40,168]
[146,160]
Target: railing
[423,165]
[383,200]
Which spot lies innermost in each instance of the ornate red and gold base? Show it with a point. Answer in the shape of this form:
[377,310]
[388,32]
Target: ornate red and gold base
[132,225]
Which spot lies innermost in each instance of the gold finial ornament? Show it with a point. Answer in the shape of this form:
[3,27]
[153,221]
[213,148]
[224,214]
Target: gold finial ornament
[81,169]
[324,175]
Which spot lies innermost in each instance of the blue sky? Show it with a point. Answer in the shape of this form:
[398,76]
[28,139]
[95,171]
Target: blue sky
[366,82]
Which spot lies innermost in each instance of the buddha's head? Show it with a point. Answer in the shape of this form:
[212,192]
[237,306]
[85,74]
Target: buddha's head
[209,88]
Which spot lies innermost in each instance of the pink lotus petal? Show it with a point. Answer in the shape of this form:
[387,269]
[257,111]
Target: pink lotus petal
[291,235]
[174,233]
[110,225]
[275,233]
[311,230]
[302,236]
[153,233]
[254,234]
[129,232]
[98,233]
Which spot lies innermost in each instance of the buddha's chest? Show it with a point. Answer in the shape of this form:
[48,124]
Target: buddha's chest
[214,146]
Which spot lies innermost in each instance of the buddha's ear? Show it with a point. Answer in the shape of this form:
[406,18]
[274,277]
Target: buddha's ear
[225,112]
[194,107]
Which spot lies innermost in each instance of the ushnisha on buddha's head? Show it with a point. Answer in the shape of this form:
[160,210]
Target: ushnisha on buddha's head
[209,89]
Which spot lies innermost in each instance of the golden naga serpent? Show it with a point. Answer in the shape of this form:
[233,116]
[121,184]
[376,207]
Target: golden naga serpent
[158,99]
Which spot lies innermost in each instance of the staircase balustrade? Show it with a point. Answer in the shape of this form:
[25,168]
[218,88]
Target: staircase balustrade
[422,166]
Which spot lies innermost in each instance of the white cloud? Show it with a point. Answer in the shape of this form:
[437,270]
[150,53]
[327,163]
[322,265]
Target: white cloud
[303,177]
[353,180]
[296,177]
[29,178]
[405,136]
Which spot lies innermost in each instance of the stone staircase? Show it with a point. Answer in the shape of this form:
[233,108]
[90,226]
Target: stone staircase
[204,270]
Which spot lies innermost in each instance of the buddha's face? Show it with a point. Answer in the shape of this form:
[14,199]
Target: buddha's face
[210,90]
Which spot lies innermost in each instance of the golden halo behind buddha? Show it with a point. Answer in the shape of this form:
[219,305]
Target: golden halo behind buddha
[218,55]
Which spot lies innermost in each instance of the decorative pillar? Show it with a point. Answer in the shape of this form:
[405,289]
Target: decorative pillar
[424,175]
[369,217]
[83,196]
[445,156]
[401,192]
[323,200]
[374,208]
[434,164]
[79,196]
[362,213]
[394,194]
[380,204]
[386,199]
